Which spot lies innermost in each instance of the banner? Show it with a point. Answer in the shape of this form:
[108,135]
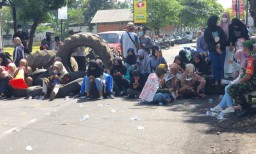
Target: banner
[150,88]
[63,13]
[240,7]
[140,11]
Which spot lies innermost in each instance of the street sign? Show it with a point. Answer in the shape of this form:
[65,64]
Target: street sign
[140,11]
[63,13]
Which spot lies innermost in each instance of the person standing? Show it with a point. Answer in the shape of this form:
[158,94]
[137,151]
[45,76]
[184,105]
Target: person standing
[145,40]
[23,37]
[237,30]
[47,42]
[216,41]
[18,53]
[128,40]
[225,22]
[56,44]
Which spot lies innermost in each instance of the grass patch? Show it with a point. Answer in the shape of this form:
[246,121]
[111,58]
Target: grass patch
[11,49]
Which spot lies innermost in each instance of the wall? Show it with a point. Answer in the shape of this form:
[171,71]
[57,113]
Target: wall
[110,26]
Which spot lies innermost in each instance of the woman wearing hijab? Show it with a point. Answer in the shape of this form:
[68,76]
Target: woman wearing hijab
[143,65]
[92,85]
[237,30]
[179,62]
[4,61]
[130,61]
[200,64]
[121,76]
[216,41]
[12,69]
[57,76]
[183,57]
[156,58]
[225,23]
[192,84]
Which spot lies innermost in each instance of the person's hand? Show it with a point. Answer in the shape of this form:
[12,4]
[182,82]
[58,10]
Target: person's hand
[56,76]
[171,90]
[219,51]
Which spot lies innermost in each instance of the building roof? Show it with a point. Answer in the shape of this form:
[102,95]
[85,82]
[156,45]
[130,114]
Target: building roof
[110,16]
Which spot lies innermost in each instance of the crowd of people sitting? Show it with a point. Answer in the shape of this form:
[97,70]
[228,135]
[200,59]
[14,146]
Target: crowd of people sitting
[182,78]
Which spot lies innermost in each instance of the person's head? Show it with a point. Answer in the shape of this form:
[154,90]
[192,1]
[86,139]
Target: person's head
[141,54]
[178,60]
[130,52]
[130,26]
[48,35]
[190,69]
[174,68]
[156,51]
[99,62]
[136,75]
[19,28]
[197,58]
[57,39]
[117,62]
[142,31]
[213,21]
[57,59]
[163,66]
[57,66]
[11,67]
[160,72]
[236,23]
[23,62]
[16,41]
[248,48]
[225,17]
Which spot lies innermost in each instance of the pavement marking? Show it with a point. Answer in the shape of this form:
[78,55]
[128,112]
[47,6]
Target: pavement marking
[9,131]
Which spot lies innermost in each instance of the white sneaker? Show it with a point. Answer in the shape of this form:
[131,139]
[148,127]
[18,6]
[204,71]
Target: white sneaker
[229,110]
[216,109]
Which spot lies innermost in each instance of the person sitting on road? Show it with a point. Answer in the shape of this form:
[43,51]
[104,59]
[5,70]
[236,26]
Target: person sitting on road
[200,64]
[157,58]
[4,61]
[121,76]
[27,72]
[192,84]
[107,81]
[179,62]
[4,78]
[92,86]
[136,85]
[57,77]
[130,62]
[183,57]
[143,65]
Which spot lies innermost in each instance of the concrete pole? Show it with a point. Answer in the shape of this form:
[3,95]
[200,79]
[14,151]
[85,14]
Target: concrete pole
[1,35]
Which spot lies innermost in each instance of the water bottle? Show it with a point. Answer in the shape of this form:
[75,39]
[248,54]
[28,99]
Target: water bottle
[210,100]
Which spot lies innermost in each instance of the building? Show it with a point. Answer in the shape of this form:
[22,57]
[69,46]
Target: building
[111,20]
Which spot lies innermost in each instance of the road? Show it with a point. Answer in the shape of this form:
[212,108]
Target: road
[116,126]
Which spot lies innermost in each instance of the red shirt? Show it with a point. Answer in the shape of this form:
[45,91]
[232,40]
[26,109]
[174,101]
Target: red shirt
[250,66]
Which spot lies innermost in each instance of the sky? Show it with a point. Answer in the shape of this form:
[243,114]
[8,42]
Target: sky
[226,3]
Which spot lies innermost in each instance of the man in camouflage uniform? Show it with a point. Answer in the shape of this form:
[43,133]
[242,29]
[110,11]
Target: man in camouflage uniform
[247,82]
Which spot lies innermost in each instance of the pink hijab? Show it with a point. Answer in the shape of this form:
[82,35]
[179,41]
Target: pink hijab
[225,25]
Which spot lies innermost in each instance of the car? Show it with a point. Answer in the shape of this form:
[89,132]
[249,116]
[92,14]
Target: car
[112,39]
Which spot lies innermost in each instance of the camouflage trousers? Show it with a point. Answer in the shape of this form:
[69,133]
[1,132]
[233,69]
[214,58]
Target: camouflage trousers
[237,91]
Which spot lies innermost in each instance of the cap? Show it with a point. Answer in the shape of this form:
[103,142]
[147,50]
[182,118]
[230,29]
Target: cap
[248,44]
[130,25]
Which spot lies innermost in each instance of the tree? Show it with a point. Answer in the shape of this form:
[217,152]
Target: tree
[36,12]
[6,19]
[123,4]
[94,6]
[162,13]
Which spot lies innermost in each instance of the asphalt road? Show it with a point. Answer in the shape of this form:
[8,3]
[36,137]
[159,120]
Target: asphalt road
[116,126]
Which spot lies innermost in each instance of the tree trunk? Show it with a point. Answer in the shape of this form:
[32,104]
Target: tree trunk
[253,10]
[32,33]
[14,14]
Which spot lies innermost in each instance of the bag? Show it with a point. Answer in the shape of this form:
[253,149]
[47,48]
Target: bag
[133,41]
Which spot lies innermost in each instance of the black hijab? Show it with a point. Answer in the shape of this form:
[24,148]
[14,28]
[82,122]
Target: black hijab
[154,49]
[131,59]
[201,66]
[119,68]
[183,57]
[94,69]
[182,65]
[212,22]
[5,61]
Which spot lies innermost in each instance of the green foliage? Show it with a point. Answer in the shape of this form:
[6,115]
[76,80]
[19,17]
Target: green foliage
[42,28]
[162,13]
[6,20]
[123,4]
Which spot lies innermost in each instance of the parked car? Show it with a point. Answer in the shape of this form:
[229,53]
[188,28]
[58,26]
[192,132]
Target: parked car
[112,39]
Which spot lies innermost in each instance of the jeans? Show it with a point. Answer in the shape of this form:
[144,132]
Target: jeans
[227,100]
[108,81]
[217,64]
[161,97]
[85,87]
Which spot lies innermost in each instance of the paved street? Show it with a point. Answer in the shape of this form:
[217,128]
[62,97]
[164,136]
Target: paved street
[116,126]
